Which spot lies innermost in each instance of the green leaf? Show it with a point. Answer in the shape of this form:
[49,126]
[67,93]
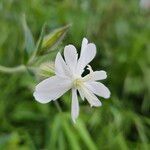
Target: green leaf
[55,128]
[71,136]
[84,134]
[29,46]
[140,128]
[120,142]
[38,45]
[61,141]
[40,40]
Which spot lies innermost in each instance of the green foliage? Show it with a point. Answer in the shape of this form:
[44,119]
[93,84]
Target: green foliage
[29,41]
[121,31]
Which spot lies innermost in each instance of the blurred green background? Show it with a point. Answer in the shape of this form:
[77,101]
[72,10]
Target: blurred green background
[121,31]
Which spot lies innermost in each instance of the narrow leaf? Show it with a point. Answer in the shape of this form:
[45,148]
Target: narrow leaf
[29,41]
[85,136]
[72,138]
[40,40]
[38,46]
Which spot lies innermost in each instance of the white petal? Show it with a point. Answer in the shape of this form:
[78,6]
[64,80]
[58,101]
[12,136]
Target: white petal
[94,76]
[71,56]
[74,105]
[61,69]
[91,98]
[98,89]
[81,94]
[99,75]
[83,46]
[86,57]
[51,89]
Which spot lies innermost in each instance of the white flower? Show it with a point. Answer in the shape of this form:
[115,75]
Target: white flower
[69,76]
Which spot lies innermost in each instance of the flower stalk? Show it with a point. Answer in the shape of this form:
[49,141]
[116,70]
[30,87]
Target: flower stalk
[58,106]
[20,68]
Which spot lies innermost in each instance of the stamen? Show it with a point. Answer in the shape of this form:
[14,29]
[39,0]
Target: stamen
[90,69]
[77,83]
[90,75]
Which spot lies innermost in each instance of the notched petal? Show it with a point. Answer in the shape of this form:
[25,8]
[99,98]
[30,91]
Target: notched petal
[61,69]
[71,56]
[51,89]
[98,89]
[91,98]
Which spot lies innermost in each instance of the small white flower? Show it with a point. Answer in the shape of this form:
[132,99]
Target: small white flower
[69,76]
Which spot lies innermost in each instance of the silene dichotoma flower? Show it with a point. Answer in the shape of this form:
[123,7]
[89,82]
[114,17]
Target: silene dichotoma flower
[68,75]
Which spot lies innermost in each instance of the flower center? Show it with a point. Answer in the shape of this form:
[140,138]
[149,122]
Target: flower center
[77,82]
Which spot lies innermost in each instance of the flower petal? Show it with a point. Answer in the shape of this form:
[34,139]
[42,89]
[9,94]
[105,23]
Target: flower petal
[74,105]
[71,56]
[91,98]
[61,69]
[99,75]
[88,52]
[51,89]
[84,44]
[94,76]
[81,94]
[98,89]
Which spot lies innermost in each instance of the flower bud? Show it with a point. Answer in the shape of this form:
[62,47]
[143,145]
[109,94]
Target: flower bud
[46,69]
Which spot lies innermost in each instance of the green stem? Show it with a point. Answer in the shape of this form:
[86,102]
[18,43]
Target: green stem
[32,58]
[58,106]
[20,68]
